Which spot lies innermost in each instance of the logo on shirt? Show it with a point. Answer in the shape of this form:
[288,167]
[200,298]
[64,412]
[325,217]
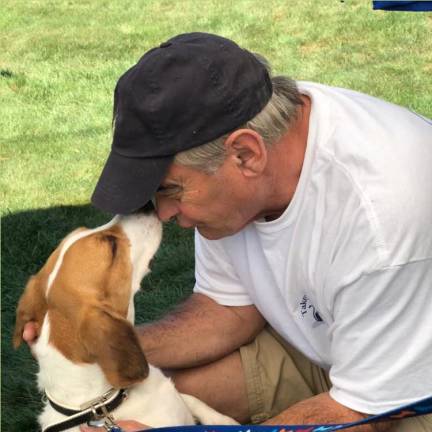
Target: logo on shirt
[307,308]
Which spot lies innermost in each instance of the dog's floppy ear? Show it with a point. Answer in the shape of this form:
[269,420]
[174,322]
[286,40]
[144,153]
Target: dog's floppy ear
[31,307]
[112,342]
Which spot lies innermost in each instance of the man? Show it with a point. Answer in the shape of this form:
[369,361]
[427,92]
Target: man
[312,209]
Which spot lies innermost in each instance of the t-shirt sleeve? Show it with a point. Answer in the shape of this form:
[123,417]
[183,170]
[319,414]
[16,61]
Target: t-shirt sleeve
[382,338]
[214,274]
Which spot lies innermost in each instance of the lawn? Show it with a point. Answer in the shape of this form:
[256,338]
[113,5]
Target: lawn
[58,67]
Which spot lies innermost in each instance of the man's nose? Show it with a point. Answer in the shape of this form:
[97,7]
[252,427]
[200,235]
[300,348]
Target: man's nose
[166,208]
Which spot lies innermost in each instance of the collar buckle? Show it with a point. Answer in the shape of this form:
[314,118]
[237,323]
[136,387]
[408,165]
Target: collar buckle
[104,419]
[96,403]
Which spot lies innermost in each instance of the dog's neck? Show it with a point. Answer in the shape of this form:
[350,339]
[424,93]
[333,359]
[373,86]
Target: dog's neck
[68,383]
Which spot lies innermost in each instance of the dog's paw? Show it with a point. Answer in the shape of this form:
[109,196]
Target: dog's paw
[218,419]
[204,414]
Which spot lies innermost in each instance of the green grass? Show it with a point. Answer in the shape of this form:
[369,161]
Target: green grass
[58,66]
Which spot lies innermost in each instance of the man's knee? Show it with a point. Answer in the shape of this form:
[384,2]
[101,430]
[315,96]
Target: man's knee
[220,384]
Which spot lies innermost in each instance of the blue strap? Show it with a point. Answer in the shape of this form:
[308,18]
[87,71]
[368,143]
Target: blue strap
[421,407]
[406,6]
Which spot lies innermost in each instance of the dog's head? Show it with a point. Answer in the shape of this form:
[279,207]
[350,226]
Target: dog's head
[86,291]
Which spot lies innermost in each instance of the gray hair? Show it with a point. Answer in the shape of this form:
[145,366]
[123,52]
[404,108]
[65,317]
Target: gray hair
[271,123]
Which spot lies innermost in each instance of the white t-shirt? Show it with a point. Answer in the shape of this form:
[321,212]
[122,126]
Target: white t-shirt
[345,274]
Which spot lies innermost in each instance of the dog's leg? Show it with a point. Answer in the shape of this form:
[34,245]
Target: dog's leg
[205,414]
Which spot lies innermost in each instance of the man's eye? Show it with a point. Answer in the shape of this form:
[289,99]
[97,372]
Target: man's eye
[169,191]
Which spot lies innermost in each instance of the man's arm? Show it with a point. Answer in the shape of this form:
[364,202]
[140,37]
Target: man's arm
[323,409]
[198,331]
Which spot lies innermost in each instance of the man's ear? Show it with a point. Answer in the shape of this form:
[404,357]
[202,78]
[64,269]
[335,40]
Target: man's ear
[31,307]
[112,343]
[248,149]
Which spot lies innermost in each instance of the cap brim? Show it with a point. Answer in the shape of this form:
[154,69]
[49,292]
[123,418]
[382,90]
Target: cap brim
[126,184]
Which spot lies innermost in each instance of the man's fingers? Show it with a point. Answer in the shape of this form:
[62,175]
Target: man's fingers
[126,425]
[30,332]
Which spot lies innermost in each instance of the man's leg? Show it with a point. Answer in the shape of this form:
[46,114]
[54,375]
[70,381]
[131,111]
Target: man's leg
[220,384]
[256,383]
[415,424]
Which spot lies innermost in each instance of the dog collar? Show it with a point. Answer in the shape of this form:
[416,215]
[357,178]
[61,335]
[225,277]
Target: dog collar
[96,411]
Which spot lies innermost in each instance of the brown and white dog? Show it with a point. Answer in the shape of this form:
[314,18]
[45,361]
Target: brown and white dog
[82,300]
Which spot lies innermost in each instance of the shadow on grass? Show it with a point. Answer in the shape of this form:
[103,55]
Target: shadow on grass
[28,238]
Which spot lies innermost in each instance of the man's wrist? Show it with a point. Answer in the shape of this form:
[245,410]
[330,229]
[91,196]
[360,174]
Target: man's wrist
[322,409]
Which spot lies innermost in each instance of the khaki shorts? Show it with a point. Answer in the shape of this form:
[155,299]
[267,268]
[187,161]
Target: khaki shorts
[278,376]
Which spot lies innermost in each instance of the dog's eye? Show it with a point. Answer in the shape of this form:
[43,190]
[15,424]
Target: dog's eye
[113,243]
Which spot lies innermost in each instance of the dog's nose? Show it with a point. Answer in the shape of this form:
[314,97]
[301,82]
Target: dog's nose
[148,208]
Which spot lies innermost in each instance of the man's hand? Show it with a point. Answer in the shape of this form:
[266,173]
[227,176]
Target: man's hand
[126,425]
[323,409]
[30,333]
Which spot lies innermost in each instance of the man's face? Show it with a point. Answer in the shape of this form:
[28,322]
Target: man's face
[218,204]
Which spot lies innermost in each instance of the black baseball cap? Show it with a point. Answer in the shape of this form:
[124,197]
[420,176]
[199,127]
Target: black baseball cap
[190,90]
